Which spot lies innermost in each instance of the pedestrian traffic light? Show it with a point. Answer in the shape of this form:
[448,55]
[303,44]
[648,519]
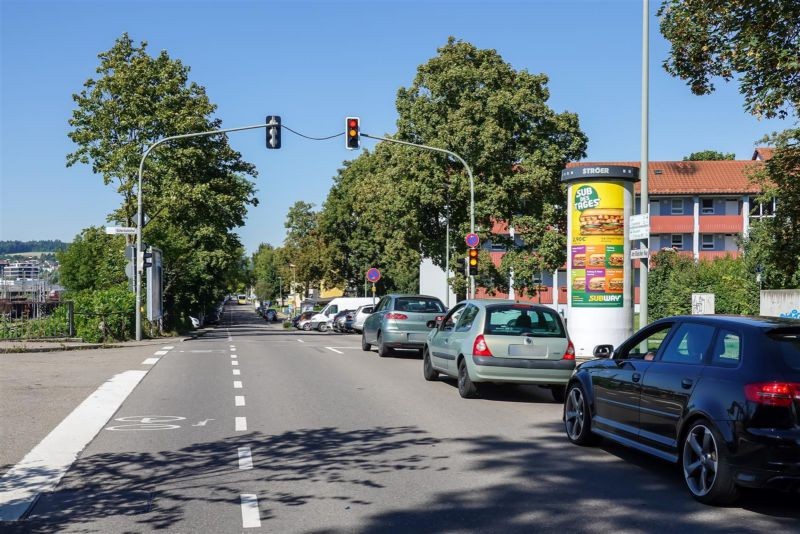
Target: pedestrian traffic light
[352,133]
[145,260]
[273,131]
[472,254]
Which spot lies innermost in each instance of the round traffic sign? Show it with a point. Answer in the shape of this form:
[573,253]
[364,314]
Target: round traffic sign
[472,240]
[373,275]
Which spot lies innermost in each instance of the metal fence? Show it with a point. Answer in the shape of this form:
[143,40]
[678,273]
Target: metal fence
[31,319]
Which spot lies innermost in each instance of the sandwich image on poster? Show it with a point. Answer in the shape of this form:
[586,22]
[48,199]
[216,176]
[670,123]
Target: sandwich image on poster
[597,283]
[579,283]
[602,221]
[615,285]
[578,257]
[597,260]
[614,256]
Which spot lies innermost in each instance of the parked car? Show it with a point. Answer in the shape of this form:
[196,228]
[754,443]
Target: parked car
[339,321]
[271,315]
[500,341]
[323,319]
[718,395]
[359,316]
[400,321]
[305,316]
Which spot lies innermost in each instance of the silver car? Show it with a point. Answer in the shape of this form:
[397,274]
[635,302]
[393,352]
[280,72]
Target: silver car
[500,341]
[360,316]
[400,321]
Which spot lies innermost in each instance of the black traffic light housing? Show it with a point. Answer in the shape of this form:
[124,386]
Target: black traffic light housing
[472,258]
[146,260]
[273,131]
[352,133]
[462,265]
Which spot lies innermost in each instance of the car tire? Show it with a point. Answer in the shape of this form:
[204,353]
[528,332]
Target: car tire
[366,347]
[383,350]
[323,327]
[307,327]
[577,418]
[466,387]
[559,393]
[705,467]
[428,371]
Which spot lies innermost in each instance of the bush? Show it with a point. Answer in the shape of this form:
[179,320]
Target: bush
[105,315]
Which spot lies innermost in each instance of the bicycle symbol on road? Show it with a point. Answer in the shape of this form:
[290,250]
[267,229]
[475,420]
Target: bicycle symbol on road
[147,422]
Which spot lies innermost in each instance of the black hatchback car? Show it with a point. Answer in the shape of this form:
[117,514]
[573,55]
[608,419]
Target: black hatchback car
[720,395]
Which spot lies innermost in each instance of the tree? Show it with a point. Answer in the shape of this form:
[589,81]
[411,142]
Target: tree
[268,273]
[757,43]
[709,155]
[94,261]
[196,191]
[304,247]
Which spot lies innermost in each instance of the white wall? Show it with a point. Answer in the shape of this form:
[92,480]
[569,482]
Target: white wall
[780,303]
[432,282]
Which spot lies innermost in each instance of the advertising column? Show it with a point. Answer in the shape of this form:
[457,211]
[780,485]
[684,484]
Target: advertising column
[600,289]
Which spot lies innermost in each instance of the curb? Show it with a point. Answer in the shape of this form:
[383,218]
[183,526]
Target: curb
[22,349]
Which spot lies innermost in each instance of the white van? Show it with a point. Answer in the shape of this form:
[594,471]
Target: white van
[321,320]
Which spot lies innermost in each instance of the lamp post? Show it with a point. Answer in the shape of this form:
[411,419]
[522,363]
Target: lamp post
[280,289]
[293,290]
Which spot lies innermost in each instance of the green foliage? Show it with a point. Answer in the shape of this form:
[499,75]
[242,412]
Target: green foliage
[47,245]
[757,43]
[390,207]
[94,260]
[54,325]
[709,155]
[674,277]
[304,246]
[104,315]
[268,276]
[195,191]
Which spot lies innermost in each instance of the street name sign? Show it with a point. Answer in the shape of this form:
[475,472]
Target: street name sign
[639,253]
[121,230]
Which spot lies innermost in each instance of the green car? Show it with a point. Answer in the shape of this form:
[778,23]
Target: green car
[500,341]
[400,322]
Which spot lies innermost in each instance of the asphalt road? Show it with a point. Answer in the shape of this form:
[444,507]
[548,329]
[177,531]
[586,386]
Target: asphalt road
[256,427]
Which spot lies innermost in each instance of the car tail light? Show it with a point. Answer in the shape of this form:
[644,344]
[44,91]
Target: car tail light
[570,353]
[480,348]
[772,393]
[393,315]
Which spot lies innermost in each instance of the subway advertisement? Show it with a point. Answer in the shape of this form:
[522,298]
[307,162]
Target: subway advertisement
[597,250]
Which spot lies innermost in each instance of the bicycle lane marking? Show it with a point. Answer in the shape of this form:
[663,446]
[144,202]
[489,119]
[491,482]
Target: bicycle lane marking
[43,467]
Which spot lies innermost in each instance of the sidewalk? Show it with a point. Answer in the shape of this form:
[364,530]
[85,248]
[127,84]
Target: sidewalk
[53,345]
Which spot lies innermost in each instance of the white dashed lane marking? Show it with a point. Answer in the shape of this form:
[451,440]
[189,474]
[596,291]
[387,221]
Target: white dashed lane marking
[167,348]
[245,458]
[250,514]
[237,384]
[239,400]
[150,361]
[234,362]
[160,352]
[241,424]
[237,372]
[233,356]
[334,350]
[301,341]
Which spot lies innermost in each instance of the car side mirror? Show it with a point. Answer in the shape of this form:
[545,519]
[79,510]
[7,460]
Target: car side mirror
[603,351]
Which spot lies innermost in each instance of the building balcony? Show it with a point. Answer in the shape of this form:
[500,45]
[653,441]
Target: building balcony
[715,254]
[721,224]
[671,224]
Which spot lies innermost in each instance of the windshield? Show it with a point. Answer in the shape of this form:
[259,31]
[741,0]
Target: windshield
[419,305]
[515,319]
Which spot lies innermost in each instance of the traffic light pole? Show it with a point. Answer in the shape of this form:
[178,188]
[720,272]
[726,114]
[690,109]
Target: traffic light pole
[471,185]
[140,221]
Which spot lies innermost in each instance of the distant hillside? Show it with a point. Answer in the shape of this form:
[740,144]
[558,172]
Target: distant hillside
[17,247]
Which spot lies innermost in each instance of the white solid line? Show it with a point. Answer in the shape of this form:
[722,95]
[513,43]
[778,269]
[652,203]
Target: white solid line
[43,467]
[237,372]
[250,515]
[245,458]
[241,424]
[237,384]
[160,352]
[167,348]
[334,350]
[234,362]
[301,341]
[150,361]
[239,400]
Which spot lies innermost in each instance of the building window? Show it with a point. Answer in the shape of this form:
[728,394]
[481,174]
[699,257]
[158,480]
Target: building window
[708,241]
[677,241]
[707,207]
[677,206]
[763,209]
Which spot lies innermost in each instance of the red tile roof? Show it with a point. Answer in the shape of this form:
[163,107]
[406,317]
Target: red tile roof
[692,177]
[763,153]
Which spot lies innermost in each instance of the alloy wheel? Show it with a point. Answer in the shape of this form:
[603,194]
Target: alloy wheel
[700,460]
[574,413]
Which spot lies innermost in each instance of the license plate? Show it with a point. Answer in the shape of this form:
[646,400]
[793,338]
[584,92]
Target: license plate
[528,351]
[417,337]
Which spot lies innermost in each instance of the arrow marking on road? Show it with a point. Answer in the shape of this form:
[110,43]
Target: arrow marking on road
[203,422]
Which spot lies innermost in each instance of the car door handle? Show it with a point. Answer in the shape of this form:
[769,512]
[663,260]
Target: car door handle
[686,383]
[636,377]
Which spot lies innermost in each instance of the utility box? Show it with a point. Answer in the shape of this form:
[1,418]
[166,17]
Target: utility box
[703,303]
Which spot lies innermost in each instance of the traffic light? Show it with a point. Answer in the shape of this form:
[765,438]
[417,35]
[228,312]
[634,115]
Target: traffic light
[462,265]
[145,260]
[273,131]
[472,255]
[351,134]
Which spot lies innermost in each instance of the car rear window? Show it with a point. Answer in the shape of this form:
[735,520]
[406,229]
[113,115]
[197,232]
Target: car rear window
[419,305]
[789,341]
[514,320]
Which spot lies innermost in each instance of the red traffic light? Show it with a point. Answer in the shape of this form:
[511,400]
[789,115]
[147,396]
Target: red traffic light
[352,139]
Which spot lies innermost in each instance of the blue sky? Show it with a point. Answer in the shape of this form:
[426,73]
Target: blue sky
[314,63]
